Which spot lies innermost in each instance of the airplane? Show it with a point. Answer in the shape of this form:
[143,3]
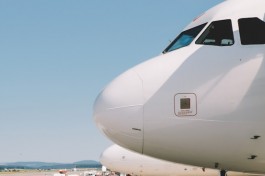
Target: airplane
[202,101]
[121,160]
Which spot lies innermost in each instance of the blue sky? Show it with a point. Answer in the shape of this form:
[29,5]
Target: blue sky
[57,55]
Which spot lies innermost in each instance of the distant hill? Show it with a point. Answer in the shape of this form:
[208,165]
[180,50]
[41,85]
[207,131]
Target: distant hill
[45,165]
[86,162]
[31,164]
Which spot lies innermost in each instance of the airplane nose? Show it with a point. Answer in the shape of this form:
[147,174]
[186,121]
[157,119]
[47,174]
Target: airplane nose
[118,111]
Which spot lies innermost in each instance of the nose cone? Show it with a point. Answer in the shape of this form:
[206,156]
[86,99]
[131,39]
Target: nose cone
[118,111]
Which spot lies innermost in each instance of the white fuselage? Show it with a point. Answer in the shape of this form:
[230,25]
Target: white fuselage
[201,104]
[125,161]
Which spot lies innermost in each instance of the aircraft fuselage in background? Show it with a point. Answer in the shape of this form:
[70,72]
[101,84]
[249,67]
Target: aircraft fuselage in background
[127,162]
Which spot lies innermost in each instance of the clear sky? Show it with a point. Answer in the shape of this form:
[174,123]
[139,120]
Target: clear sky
[57,55]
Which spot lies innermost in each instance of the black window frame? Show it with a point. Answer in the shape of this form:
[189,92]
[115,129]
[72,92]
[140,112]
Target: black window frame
[230,34]
[247,32]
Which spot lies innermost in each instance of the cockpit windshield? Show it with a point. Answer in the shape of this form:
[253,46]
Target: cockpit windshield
[185,38]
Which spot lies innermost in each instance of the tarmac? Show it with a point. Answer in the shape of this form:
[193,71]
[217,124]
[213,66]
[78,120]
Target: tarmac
[42,173]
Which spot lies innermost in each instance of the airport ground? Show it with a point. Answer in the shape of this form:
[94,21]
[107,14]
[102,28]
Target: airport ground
[82,172]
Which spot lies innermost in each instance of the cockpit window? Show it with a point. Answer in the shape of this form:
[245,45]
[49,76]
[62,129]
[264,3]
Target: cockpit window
[184,39]
[218,33]
[252,31]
